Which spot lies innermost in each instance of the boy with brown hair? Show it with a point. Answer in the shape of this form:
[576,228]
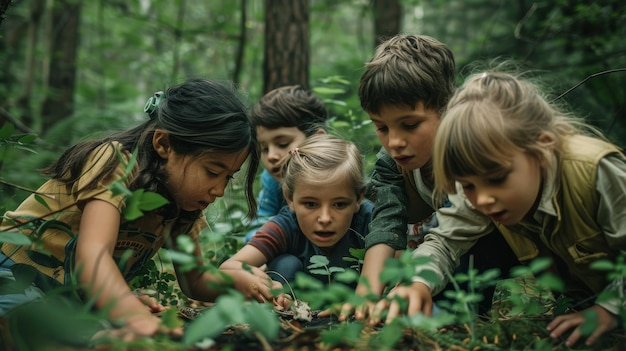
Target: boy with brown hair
[404,90]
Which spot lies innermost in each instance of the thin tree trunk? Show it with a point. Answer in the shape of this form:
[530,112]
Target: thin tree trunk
[286,44]
[64,37]
[387,19]
[37,9]
[4,6]
[242,42]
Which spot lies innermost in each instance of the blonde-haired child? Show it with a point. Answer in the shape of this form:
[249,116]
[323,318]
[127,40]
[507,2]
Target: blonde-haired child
[324,186]
[552,188]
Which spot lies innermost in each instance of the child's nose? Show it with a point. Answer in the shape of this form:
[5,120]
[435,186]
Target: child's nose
[324,215]
[273,154]
[396,140]
[218,189]
[484,197]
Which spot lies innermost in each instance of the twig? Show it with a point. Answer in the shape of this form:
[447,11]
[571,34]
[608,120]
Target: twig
[26,189]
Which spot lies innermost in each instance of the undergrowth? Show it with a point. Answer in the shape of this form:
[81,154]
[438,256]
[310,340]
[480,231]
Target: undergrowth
[523,304]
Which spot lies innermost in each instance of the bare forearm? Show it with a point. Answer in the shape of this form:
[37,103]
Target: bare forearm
[102,280]
[373,264]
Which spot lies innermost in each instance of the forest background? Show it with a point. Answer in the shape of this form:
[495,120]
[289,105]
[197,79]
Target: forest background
[72,69]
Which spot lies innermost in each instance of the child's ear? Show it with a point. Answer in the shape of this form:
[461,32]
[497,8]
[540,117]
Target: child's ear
[289,198]
[161,143]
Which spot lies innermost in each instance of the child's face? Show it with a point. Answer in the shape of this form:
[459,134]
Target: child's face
[509,196]
[275,144]
[407,134]
[324,212]
[195,182]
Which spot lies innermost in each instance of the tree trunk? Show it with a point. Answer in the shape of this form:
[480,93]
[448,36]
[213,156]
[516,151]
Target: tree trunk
[286,59]
[387,19]
[4,6]
[64,38]
[241,43]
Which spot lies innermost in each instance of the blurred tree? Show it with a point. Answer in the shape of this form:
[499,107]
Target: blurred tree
[387,19]
[63,38]
[4,6]
[286,59]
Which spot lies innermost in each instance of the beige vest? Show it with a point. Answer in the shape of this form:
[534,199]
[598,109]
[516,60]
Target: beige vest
[573,235]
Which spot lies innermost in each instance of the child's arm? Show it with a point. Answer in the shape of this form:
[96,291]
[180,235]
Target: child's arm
[99,273]
[611,187]
[387,229]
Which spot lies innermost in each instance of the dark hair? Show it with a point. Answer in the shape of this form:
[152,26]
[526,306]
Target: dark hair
[405,70]
[199,115]
[290,106]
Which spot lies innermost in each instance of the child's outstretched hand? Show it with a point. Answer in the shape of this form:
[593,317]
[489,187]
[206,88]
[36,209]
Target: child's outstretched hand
[605,322]
[153,305]
[417,296]
[138,326]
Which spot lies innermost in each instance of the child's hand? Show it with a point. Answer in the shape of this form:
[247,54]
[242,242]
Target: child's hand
[138,326]
[283,300]
[605,322]
[256,285]
[347,310]
[417,296]
[153,305]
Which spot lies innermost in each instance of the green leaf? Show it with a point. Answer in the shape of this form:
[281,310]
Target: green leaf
[180,257]
[27,139]
[540,264]
[603,265]
[336,269]
[42,201]
[262,319]
[15,238]
[44,259]
[151,200]
[54,225]
[318,261]
[185,244]
[6,131]
[319,271]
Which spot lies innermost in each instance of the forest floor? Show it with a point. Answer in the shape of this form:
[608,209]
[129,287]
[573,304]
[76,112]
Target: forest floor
[499,332]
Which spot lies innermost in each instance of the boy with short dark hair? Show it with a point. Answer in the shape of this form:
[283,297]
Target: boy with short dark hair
[404,90]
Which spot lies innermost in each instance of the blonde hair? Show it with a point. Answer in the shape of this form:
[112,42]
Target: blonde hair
[492,115]
[321,159]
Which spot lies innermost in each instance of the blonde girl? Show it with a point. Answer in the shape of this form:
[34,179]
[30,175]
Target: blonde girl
[552,185]
[324,186]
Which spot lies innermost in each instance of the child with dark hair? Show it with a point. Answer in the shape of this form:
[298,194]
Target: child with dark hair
[283,118]
[196,139]
[404,90]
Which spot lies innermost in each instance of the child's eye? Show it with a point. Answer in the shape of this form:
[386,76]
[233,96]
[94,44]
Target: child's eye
[411,126]
[341,205]
[497,180]
[284,145]
[310,204]
[382,129]
[264,150]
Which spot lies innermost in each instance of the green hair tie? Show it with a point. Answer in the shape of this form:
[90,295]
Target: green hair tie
[152,105]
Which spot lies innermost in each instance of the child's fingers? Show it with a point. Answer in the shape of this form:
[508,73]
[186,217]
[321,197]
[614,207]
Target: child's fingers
[153,304]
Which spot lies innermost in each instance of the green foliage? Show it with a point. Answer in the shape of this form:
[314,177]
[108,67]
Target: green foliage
[232,309]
